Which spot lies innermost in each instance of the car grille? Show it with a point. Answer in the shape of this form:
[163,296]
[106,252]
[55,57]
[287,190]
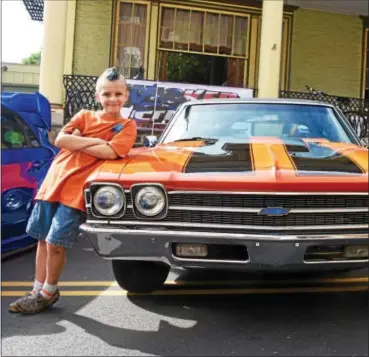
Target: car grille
[252,219]
[264,200]
[220,211]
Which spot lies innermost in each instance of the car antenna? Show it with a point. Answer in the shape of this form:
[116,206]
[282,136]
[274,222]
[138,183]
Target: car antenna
[153,114]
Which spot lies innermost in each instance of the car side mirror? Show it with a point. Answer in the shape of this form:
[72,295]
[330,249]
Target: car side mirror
[150,141]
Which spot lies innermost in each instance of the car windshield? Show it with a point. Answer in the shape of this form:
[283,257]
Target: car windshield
[236,122]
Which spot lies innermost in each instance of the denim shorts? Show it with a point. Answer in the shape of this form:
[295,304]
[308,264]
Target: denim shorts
[55,223]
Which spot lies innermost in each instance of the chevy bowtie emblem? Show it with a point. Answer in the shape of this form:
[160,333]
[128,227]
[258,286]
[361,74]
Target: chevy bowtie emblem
[274,211]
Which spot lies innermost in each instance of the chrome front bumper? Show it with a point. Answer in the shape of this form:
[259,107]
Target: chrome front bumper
[265,252]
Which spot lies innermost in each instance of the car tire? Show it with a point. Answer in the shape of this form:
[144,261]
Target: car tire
[140,277]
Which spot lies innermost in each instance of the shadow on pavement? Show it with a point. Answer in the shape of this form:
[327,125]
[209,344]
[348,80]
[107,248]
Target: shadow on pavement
[229,325]
[244,325]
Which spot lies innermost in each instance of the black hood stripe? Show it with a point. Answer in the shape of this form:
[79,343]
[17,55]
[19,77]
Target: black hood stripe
[347,156]
[231,158]
[315,157]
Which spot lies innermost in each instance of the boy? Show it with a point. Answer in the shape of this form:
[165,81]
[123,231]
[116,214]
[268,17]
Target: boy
[88,139]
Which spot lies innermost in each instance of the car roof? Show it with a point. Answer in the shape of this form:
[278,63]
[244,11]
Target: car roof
[257,100]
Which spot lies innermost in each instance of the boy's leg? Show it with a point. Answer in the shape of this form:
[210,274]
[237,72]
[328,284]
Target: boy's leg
[40,273]
[38,227]
[63,234]
[41,255]
[56,259]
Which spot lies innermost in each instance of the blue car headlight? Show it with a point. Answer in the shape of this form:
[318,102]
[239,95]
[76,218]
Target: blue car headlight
[15,199]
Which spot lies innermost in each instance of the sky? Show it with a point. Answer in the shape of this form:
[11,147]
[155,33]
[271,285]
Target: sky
[20,36]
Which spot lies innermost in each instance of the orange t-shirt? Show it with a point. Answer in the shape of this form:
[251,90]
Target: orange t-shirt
[70,169]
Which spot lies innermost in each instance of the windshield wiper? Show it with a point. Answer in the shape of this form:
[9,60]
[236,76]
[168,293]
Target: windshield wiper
[198,138]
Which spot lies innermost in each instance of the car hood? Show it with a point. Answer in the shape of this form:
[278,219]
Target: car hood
[260,164]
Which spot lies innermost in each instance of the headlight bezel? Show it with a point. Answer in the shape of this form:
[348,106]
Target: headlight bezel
[138,214]
[94,188]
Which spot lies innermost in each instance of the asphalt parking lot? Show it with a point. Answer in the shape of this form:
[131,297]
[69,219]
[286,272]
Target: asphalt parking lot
[202,313]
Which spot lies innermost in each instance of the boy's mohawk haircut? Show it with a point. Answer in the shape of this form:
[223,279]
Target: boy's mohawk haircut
[110,74]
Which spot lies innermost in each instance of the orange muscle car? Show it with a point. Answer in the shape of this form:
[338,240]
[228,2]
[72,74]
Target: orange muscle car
[234,184]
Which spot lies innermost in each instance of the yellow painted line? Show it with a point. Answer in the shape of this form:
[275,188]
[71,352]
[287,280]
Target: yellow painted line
[240,282]
[61,283]
[196,283]
[204,291]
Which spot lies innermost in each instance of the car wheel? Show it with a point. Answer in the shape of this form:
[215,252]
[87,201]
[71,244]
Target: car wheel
[140,277]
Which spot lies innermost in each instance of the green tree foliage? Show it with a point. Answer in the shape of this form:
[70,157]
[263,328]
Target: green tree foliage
[33,58]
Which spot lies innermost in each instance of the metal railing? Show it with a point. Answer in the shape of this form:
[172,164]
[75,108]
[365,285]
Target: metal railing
[79,94]
[356,110]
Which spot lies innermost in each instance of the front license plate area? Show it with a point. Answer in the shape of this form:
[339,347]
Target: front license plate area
[191,250]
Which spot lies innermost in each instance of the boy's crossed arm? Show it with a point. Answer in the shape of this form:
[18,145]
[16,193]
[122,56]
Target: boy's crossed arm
[102,151]
[93,146]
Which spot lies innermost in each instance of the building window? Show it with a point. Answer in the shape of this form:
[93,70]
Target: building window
[204,32]
[131,37]
[366,66]
[203,47]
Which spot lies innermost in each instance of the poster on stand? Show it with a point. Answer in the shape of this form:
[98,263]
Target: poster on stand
[154,103]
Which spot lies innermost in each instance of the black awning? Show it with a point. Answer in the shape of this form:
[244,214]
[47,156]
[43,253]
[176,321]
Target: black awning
[35,9]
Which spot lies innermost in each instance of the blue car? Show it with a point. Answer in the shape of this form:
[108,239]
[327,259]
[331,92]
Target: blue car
[26,155]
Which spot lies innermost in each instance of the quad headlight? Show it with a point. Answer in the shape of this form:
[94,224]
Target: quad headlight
[150,201]
[109,200]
